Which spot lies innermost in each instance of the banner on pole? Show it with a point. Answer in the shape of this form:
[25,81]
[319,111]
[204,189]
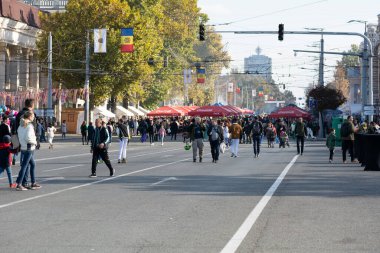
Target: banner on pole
[187,76]
[253,93]
[127,40]
[230,87]
[100,40]
[201,75]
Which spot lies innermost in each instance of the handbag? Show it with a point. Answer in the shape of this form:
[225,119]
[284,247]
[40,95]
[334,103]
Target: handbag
[15,141]
[222,147]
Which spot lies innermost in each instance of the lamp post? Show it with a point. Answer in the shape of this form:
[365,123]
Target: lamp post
[364,91]
[320,77]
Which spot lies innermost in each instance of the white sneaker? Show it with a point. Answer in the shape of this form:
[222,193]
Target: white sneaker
[162,144]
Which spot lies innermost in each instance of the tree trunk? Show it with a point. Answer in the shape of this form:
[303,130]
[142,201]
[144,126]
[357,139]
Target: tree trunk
[125,102]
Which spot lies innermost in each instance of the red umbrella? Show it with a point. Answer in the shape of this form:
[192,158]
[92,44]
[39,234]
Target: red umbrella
[236,110]
[290,112]
[247,111]
[166,111]
[211,111]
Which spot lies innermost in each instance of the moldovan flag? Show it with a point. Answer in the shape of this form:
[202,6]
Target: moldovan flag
[126,40]
[100,40]
[201,75]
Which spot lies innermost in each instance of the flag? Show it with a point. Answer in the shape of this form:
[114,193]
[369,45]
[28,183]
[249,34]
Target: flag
[253,93]
[100,40]
[238,90]
[201,75]
[261,91]
[230,87]
[126,40]
[187,76]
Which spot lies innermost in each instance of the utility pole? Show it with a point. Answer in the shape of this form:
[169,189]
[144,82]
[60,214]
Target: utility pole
[50,72]
[87,82]
[321,83]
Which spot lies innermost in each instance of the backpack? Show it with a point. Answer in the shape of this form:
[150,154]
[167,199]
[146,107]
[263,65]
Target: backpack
[256,130]
[345,130]
[214,134]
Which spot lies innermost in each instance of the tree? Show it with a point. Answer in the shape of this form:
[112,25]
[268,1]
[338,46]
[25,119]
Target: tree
[327,97]
[340,81]
[350,60]
[113,74]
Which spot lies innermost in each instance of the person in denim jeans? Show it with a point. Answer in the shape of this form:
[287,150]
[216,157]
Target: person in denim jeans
[28,142]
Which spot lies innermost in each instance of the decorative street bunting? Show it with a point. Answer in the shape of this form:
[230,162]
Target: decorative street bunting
[127,40]
[100,40]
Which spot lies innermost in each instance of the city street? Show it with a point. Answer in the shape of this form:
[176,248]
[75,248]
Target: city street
[161,201]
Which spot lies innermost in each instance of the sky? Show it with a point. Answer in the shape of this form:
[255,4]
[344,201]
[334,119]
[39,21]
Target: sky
[296,15]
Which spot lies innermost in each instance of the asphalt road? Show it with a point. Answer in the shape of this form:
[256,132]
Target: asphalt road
[161,201]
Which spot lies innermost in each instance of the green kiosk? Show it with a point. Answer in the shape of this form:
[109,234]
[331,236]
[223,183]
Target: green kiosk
[336,124]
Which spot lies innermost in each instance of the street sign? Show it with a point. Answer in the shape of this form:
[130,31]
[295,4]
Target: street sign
[367,113]
[369,108]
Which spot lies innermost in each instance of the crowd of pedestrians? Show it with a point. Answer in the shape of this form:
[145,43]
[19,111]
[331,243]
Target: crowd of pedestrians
[21,133]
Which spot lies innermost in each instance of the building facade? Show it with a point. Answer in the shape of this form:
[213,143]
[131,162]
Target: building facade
[20,69]
[259,65]
[373,33]
[48,5]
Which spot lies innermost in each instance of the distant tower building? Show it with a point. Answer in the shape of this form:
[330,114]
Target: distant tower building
[259,65]
[48,5]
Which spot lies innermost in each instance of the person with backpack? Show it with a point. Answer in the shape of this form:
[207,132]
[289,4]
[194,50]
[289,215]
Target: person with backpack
[122,131]
[99,148]
[196,132]
[215,133]
[330,143]
[271,134]
[300,132]
[347,131]
[256,133]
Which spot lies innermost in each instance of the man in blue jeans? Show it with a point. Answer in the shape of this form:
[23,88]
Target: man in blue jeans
[257,132]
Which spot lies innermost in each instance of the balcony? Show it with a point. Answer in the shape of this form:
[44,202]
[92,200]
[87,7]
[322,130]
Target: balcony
[48,5]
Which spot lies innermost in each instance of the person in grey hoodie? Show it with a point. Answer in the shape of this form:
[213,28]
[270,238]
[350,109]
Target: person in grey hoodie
[28,142]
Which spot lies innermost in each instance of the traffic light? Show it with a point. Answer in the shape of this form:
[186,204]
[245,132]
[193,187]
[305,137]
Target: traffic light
[281,32]
[202,31]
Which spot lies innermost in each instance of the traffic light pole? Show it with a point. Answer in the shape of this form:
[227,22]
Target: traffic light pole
[367,64]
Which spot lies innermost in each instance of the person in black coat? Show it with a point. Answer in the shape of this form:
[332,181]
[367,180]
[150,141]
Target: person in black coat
[99,148]
[4,127]
[90,132]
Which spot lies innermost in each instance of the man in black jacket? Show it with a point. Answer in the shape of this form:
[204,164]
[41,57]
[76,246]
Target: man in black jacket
[215,133]
[99,148]
[257,132]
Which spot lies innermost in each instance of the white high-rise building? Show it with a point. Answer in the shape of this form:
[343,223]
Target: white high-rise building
[259,65]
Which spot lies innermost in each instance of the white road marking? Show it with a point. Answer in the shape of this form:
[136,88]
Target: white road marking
[89,184]
[164,180]
[247,225]
[63,168]
[51,179]
[80,165]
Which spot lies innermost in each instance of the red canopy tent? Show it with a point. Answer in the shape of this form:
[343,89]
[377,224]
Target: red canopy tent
[236,110]
[185,109]
[290,112]
[166,111]
[247,111]
[211,111]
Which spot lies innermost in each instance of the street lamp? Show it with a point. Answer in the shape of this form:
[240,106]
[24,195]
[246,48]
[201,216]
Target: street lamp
[364,91]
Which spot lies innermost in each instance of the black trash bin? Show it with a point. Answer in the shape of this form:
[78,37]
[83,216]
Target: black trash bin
[371,144]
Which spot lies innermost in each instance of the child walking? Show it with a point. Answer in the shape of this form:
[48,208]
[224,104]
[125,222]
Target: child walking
[50,133]
[6,158]
[330,143]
